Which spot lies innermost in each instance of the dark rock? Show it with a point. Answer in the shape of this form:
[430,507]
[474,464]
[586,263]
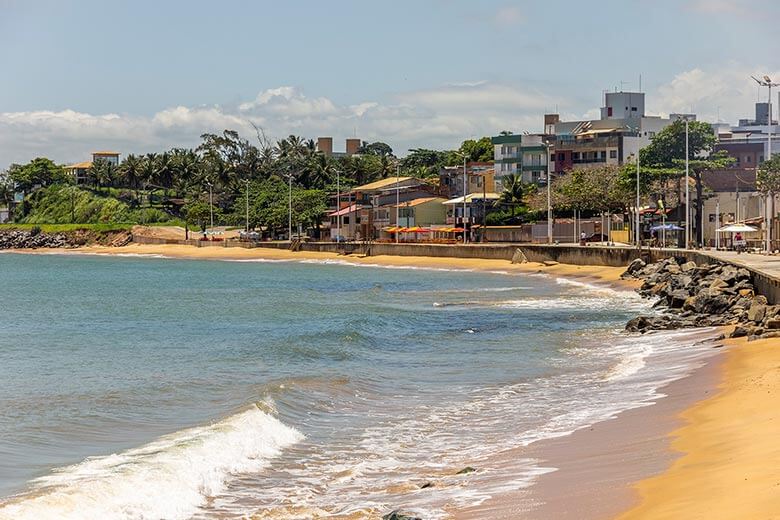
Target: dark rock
[466,470]
[427,485]
[773,334]
[634,267]
[756,312]
[772,323]
[397,515]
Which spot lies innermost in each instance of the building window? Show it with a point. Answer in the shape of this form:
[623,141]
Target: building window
[561,157]
[633,109]
[747,158]
[575,155]
[552,157]
[609,111]
[712,217]
[613,154]
[345,221]
[603,154]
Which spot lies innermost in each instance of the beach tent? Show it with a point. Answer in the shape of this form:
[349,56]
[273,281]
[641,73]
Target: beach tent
[737,228]
[734,228]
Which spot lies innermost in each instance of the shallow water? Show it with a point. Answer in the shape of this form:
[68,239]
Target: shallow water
[157,388]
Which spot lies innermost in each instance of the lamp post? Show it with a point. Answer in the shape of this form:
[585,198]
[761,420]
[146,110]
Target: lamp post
[768,206]
[338,205]
[289,208]
[246,181]
[636,230]
[687,192]
[211,205]
[397,198]
[549,199]
[465,188]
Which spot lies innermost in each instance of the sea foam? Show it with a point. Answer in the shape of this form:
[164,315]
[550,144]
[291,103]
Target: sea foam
[168,478]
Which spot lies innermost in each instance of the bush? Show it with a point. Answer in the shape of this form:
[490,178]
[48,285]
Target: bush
[35,230]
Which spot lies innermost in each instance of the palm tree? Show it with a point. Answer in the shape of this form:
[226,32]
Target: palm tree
[96,174]
[148,172]
[130,172]
[319,171]
[512,195]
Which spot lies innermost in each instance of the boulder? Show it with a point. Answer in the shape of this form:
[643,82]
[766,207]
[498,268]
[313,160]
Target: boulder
[634,267]
[677,299]
[688,266]
[772,323]
[466,470]
[756,312]
[397,515]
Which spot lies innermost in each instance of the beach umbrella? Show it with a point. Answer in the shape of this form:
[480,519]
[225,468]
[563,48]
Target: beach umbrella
[737,228]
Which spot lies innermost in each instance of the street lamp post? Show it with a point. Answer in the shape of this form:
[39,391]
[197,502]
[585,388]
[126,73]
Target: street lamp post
[338,205]
[211,205]
[687,192]
[465,188]
[289,208]
[397,199]
[636,230]
[769,204]
[247,204]
[549,199]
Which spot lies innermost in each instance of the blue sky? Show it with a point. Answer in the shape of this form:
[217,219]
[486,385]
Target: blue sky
[143,76]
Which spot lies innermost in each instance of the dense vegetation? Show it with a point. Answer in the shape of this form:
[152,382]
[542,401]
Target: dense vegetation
[179,183]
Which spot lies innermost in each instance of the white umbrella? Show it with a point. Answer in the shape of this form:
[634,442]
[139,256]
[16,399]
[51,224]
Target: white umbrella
[737,228]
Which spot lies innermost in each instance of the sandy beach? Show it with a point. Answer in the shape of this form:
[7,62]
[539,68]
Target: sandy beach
[609,276]
[730,457]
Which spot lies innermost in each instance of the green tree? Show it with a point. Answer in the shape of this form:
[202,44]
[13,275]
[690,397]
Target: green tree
[512,194]
[665,157]
[477,151]
[199,213]
[38,172]
[375,148]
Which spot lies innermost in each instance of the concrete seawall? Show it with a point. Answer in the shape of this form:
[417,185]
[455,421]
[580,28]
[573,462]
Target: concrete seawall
[767,283]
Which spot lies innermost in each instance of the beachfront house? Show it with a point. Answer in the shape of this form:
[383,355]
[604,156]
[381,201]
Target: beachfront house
[78,171]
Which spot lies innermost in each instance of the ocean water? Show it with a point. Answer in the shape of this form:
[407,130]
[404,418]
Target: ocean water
[151,388]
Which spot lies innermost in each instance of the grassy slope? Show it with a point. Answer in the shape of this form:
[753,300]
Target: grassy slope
[66,204]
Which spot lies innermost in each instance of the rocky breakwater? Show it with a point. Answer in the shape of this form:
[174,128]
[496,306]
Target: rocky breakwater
[691,295]
[35,239]
[19,239]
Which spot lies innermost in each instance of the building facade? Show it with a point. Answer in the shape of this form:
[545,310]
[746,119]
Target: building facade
[524,155]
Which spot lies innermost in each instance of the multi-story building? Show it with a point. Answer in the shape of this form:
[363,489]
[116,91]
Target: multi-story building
[524,155]
[480,178]
[622,129]
[748,141]
[79,170]
[351,147]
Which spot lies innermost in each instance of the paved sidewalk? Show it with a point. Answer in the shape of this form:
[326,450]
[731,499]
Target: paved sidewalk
[767,264]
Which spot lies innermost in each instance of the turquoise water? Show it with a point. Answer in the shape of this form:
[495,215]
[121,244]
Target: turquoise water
[160,388]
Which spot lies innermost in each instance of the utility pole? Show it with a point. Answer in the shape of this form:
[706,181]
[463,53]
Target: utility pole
[397,199]
[549,200]
[465,187]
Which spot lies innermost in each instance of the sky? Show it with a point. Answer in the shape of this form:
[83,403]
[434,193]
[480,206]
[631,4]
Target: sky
[143,76]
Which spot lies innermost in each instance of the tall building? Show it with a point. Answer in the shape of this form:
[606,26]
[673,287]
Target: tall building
[622,130]
[524,155]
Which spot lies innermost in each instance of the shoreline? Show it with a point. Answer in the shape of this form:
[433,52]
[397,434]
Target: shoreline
[604,276]
[727,451]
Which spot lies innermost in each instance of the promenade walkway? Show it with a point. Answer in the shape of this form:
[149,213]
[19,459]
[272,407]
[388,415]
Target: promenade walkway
[767,264]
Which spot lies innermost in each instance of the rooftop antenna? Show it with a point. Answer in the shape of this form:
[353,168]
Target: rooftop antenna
[640,82]
[766,81]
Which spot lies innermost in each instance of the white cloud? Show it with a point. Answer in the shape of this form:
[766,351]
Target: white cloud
[727,93]
[438,117]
